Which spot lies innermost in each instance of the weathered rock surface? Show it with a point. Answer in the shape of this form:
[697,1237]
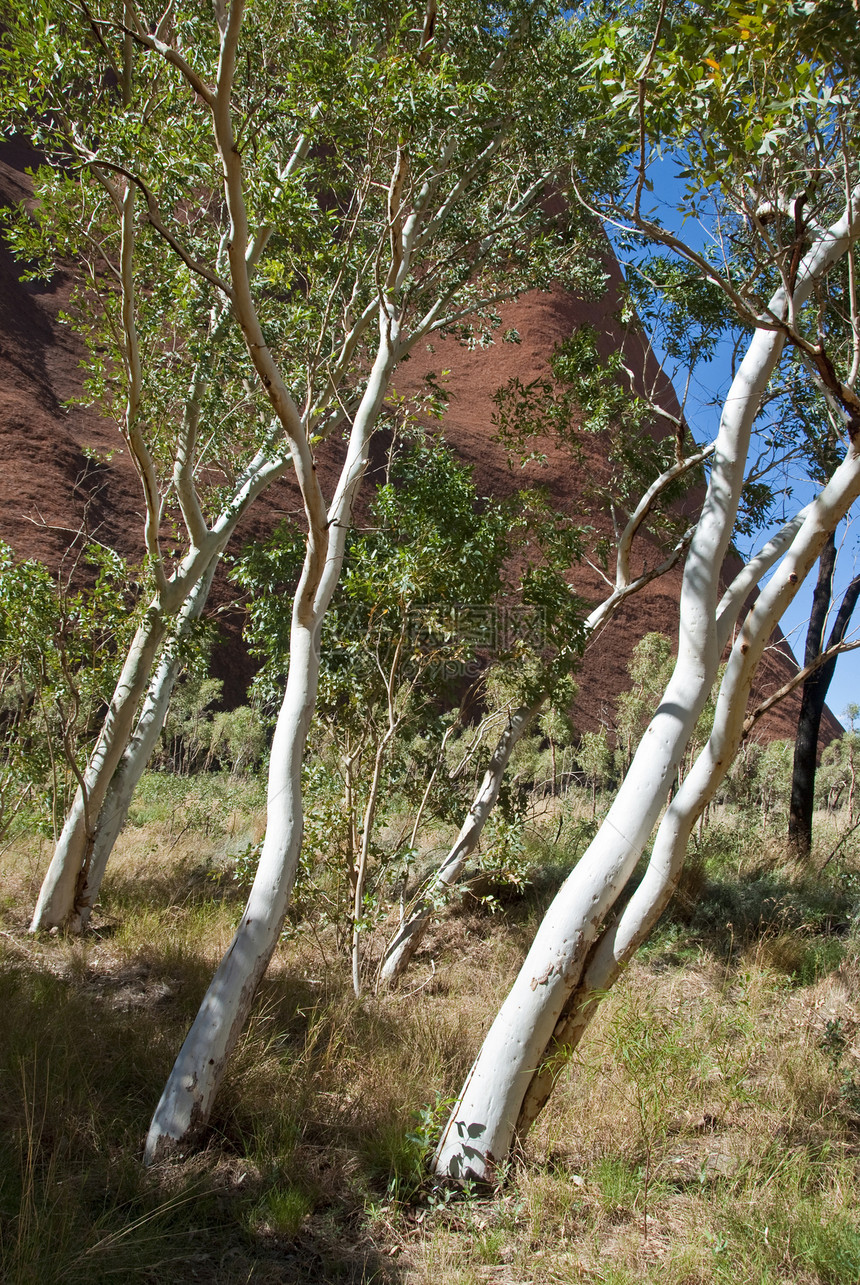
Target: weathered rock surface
[63,467]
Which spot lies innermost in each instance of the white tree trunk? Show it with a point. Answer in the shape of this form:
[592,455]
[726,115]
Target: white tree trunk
[114,811]
[408,937]
[484,1120]
[121,753]
[57,903]
[186,1102]
[621,939]
[481,1129]
[187,1099]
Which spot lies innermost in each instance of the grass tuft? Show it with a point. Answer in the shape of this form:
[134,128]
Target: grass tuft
[707,1130]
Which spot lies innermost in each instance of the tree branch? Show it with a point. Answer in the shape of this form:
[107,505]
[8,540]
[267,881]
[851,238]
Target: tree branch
[801,676]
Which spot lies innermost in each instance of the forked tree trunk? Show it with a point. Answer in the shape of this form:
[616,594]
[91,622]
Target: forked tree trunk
[414,925]
[69,868]
[138,752]
[481,1129]
[484,1120]
[124,747]
[621,939]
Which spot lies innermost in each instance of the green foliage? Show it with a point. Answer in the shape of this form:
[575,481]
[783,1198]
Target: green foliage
[189,726]
[593,392]
[836,779]
[348,93]
[239,738]
[433,548]
[283,1210]
[504,855]
[595,761]
[59,649]
[755,104]
[747,89]
[370,173]
[415,606]
[774,776]
[403,1157]
[734,897]
[760,778]
[650,668]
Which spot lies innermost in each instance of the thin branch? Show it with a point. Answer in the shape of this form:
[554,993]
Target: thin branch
[134,377]
[153,214]
[601,613]
[646,503]
[832,854]
[643,82]
[155,44]
[800,677]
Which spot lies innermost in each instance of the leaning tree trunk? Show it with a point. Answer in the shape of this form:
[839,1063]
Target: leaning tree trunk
[123,748]
[187,1099]
[815,690]
[114,811]
[67,874]
[631,928]
[408,937]
[482,1125]
[185,1105]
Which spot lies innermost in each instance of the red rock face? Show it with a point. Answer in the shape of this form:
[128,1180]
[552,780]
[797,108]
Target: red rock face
[50,488]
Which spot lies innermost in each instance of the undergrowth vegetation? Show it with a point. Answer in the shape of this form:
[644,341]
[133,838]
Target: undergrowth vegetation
[706,1131]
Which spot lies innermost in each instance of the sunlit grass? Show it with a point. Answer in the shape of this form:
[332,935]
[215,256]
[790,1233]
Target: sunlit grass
[706,1131]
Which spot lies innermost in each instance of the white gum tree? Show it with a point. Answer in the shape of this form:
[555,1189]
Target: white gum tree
[194,475]
[432,152]
[582,944]
[516,723]
[314,229]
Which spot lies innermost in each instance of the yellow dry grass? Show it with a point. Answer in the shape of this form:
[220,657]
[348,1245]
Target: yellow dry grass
[707,1130]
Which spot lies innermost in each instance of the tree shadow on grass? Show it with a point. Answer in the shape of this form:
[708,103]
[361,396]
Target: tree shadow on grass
[86,1043]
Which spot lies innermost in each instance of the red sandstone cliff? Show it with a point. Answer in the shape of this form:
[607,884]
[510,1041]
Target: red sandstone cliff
[50,485]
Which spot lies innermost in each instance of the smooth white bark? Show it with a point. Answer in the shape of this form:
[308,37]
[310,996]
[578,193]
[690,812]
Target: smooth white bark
[707,774]
[125,746]
[114,811]
[484,1120]
[619,942]
[435,298]
[186,1102]
[187,1098]
[72,855]
[67,890]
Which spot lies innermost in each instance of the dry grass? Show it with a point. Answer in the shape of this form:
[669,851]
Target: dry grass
[707,1131]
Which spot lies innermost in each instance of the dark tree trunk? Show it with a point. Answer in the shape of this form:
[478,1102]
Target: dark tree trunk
[814,695]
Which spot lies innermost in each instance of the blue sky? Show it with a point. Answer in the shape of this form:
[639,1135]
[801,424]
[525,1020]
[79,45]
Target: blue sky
[702,409]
